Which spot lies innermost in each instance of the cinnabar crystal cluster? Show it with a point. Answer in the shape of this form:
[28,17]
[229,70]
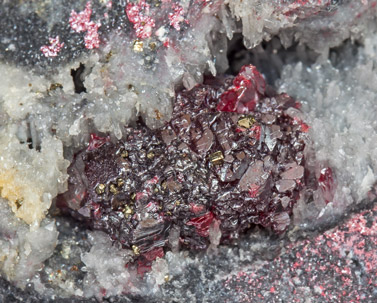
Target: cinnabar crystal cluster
[231,156]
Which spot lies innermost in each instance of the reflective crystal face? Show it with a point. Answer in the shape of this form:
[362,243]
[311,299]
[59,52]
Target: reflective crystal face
[240,167]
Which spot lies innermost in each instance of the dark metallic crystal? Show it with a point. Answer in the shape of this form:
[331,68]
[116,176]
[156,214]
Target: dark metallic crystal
[242,169]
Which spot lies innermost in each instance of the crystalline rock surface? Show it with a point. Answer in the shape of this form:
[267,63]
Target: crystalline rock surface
[188,151]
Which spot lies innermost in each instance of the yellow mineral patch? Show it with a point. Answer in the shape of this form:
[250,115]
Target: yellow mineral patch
[23,197]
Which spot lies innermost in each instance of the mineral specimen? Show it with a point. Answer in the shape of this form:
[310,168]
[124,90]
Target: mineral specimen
[221,162]
[232,152]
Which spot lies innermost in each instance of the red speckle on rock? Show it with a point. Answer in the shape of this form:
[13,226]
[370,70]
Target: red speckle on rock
[142,268]
[103,291]
[248,87]
[151,206]
[196,208]
[140,195]
[240,129]
[229,101]
[154,180]
[256,132]
[154,254]
[97,141]
[53,49]
[336,256]
[327,184]
[96,211]
[138,15]
[176,17]
[92,38]
[144,263]
[298,105]
[254,190]
[167,43]
[202,223]
[80,22]
[304,127]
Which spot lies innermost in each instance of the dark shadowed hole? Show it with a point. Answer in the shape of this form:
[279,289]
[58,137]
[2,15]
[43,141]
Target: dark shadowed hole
[77,77]
[269,56]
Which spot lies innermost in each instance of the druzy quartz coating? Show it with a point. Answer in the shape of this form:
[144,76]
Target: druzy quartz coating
[232,155]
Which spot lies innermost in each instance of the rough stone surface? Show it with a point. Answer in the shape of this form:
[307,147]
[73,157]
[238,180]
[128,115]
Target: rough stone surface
[72,68]
[340,263]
